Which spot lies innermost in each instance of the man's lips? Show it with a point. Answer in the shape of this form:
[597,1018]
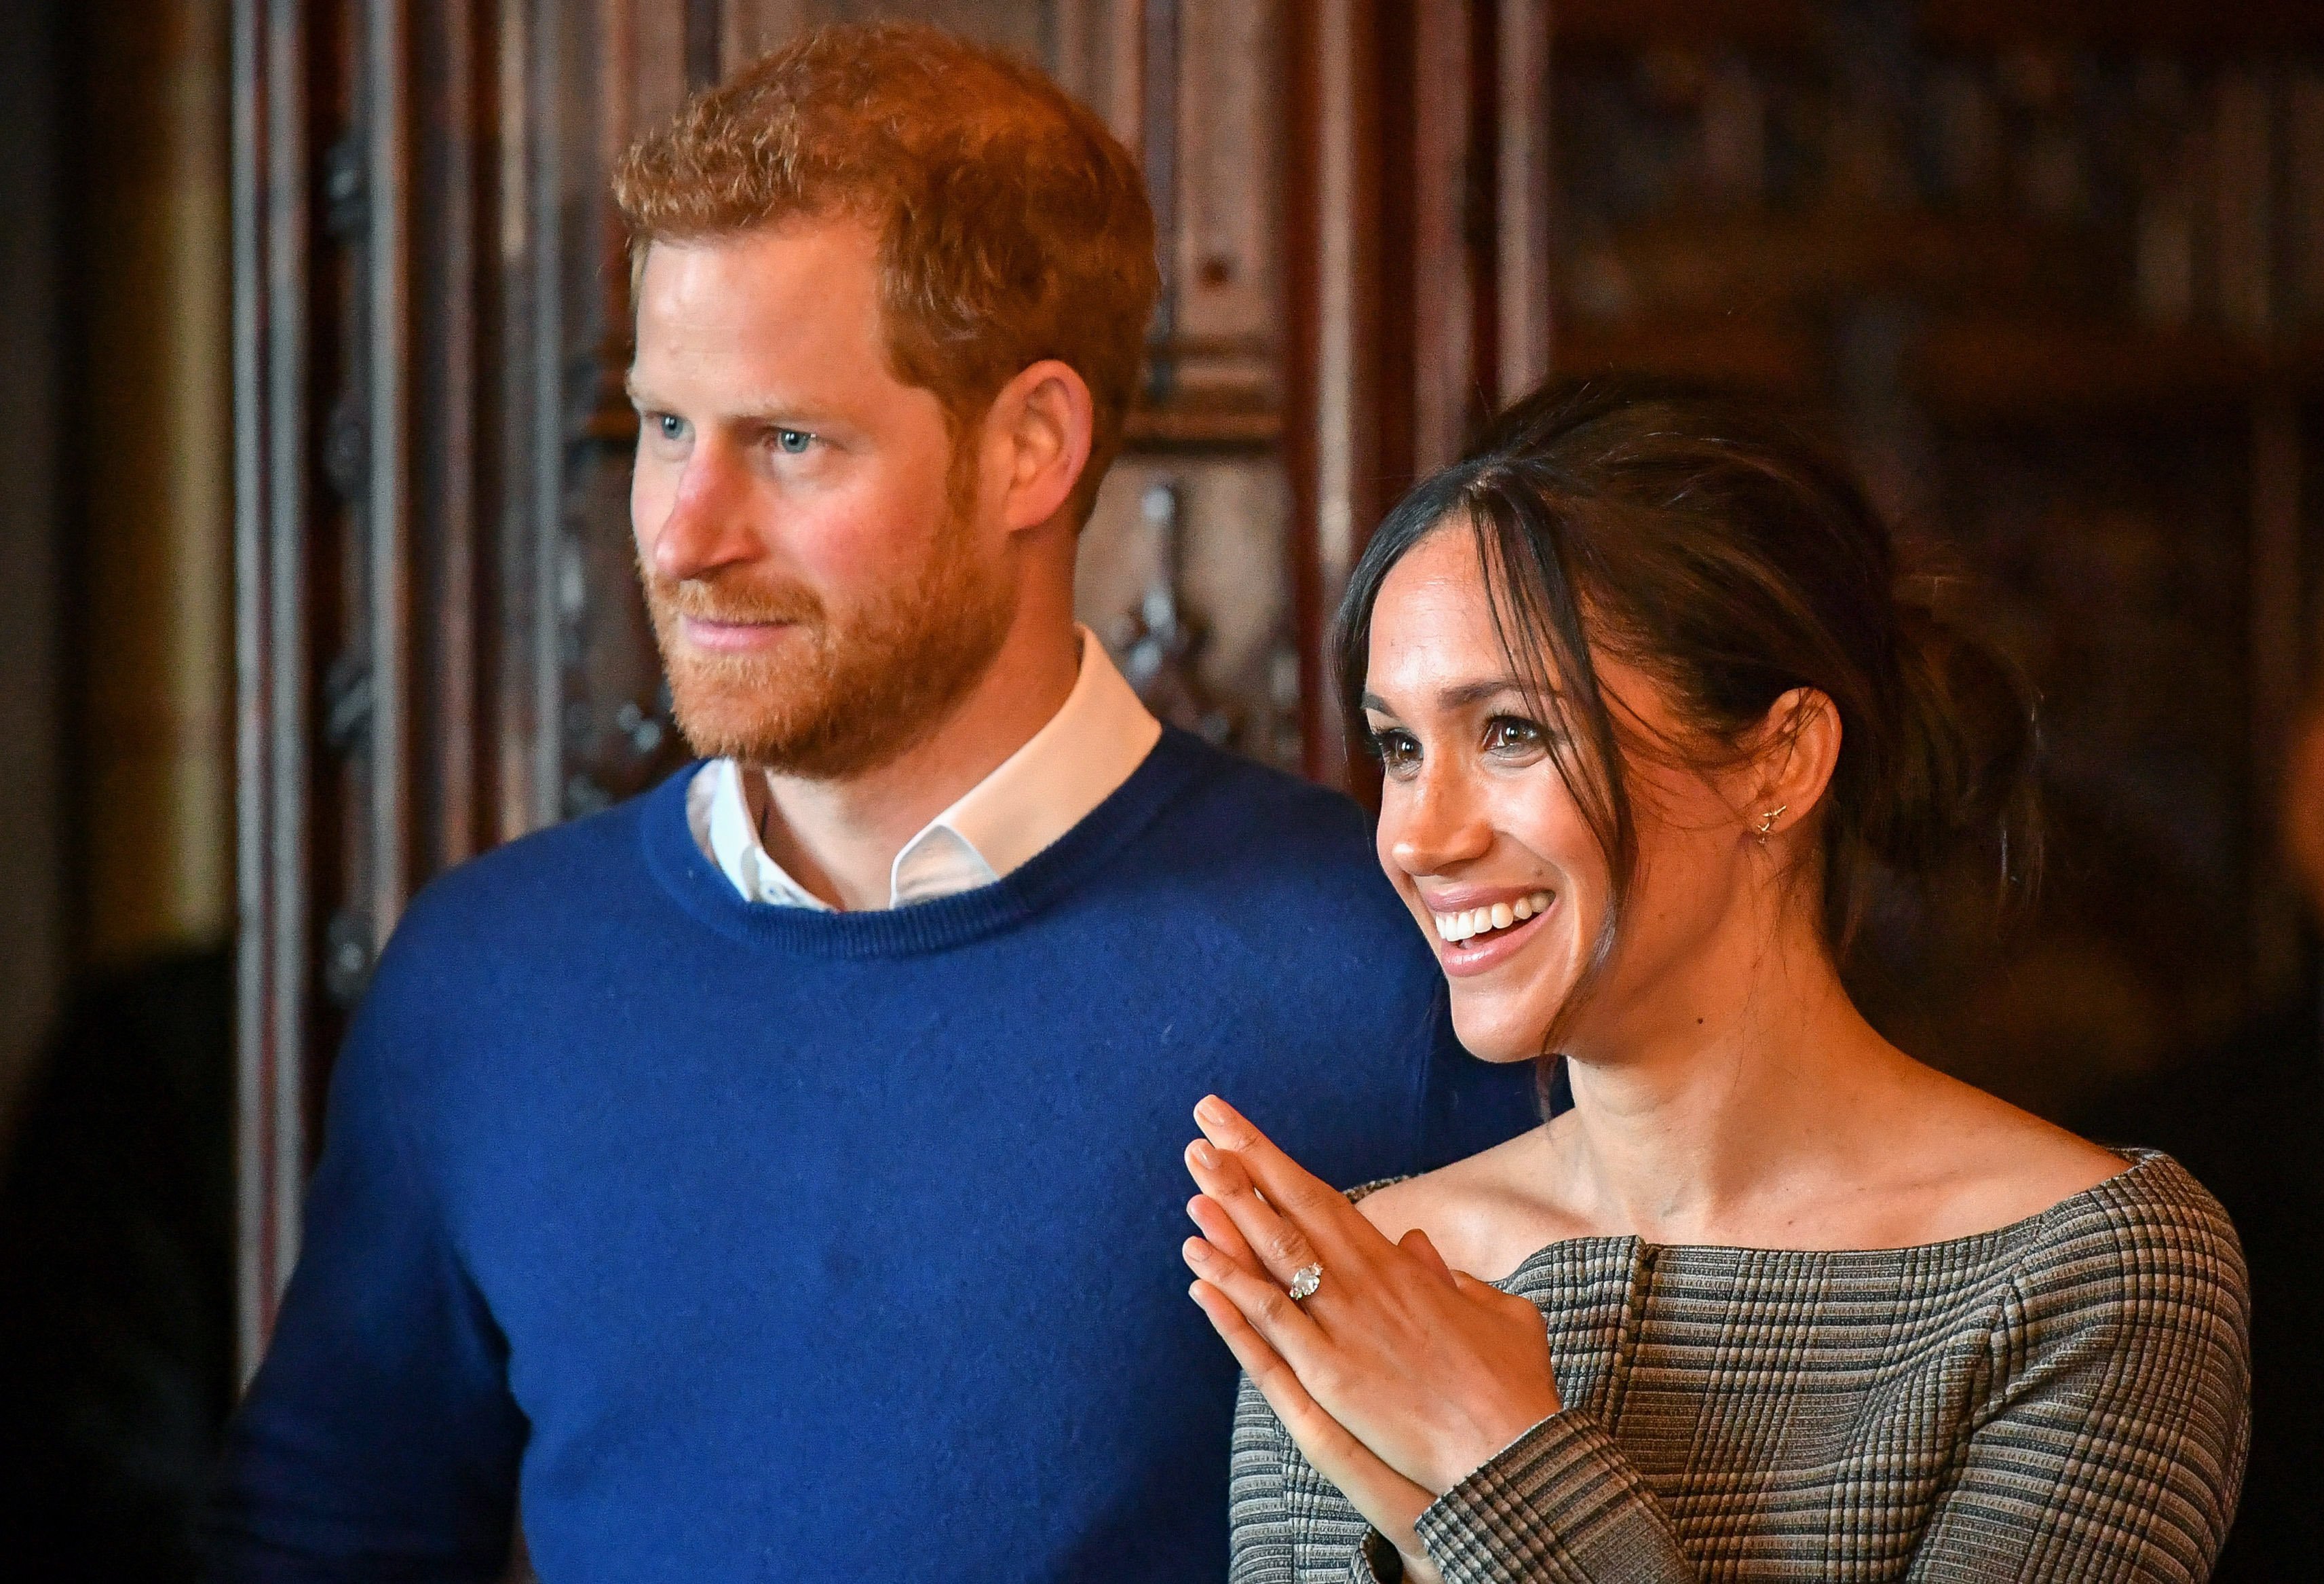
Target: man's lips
[730,637]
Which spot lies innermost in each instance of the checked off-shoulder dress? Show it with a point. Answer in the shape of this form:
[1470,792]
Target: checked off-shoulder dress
[2065,1399]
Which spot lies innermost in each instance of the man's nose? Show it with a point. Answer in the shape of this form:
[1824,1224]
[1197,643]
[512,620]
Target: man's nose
[709,524]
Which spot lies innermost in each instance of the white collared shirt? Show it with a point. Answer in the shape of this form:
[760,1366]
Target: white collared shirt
[1097,738]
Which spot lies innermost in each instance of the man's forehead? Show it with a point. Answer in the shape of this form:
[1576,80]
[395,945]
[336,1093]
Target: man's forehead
[813,246]
[757,297]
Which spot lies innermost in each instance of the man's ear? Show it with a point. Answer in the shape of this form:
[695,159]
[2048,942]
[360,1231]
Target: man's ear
[1037,436]
[1797,747]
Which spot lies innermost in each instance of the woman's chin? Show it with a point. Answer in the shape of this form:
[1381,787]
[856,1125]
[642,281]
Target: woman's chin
[1498,1040]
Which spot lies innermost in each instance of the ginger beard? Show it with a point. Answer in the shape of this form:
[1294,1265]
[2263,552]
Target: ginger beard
[843,694]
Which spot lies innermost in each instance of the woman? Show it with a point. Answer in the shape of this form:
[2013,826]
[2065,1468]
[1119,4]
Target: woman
[1649,713]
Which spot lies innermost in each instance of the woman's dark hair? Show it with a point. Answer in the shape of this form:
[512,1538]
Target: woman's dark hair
[1732,557]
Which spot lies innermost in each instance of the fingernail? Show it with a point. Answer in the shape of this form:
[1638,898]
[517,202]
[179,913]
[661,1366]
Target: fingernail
[1212,1110]
[1197,1253]
[1204,1156]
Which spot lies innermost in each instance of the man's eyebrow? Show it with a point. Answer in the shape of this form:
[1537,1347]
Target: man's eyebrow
[772,410]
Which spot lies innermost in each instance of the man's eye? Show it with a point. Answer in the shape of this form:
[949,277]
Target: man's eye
[793,442]
[671,426]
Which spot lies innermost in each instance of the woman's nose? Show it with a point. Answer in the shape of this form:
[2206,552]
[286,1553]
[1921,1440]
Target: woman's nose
[1434,822]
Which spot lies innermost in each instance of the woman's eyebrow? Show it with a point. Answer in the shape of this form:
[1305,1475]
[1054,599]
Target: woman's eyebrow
[1463,695]
[1460,696]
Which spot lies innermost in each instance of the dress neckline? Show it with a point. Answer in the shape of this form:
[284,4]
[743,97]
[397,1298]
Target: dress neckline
[2139,1164]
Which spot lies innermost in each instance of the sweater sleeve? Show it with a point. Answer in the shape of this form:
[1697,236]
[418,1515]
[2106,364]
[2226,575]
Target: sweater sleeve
[379,1440]
[2111,1445]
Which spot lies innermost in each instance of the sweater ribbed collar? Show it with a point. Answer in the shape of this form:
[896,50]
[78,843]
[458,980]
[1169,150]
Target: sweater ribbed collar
[702,889]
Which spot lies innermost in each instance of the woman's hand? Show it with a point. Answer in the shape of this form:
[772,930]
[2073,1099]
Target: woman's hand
[1398,1372]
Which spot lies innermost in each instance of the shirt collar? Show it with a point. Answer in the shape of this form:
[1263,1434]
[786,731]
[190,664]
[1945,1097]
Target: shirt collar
[1098,737]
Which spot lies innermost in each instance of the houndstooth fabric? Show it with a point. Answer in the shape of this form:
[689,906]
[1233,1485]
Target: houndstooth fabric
[2066,1399]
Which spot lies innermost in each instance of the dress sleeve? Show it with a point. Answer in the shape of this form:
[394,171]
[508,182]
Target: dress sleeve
[2112,1441]
[1560,1505]
[1259,1514]
[379,1440]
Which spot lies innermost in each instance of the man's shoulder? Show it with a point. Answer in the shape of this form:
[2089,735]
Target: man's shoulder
[1280,817]
[1250,847]
[551,880]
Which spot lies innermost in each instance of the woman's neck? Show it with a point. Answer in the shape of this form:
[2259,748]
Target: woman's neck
[1722,1105]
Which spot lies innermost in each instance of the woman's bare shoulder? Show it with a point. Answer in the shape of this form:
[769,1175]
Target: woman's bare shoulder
[1986,1164]
[1486,1213]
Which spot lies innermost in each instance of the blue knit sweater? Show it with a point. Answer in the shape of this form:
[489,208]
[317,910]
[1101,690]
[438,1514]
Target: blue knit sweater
[757,1243]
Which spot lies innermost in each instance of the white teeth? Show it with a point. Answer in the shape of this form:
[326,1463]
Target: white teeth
[1472,923]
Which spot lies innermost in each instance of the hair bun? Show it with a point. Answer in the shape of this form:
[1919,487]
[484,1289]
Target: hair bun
[1965,749]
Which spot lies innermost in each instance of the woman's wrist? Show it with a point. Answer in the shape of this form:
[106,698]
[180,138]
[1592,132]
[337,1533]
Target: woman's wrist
[1417,1568]
[1487,1443]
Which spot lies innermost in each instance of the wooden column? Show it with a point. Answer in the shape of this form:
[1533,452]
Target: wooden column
[1444,287]
[1521,197]
[1418,269]
[1332,433]
[271,231]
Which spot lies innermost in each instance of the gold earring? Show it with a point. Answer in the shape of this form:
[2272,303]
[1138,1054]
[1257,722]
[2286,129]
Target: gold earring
[1768,820]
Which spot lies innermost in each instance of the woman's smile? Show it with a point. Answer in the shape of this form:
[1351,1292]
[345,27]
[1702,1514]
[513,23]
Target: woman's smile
[1480,934]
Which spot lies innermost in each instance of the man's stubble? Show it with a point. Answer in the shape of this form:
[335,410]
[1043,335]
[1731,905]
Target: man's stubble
[845,694]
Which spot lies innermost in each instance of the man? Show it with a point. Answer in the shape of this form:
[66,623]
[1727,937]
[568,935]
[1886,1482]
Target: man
[778,1175]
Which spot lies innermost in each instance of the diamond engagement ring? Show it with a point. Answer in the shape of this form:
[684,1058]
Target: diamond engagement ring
[1304,1281]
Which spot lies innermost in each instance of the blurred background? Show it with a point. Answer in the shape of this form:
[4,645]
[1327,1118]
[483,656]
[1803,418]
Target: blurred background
[316,572]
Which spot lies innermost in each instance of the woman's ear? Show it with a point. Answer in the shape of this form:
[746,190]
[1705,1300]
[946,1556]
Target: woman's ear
[1796,749]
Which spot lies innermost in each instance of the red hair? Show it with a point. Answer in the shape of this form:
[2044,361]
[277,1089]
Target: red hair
[1013,228]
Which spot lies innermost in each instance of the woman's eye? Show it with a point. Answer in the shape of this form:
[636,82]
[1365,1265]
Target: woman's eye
[1395,750]
[793,442]
[1509,734]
